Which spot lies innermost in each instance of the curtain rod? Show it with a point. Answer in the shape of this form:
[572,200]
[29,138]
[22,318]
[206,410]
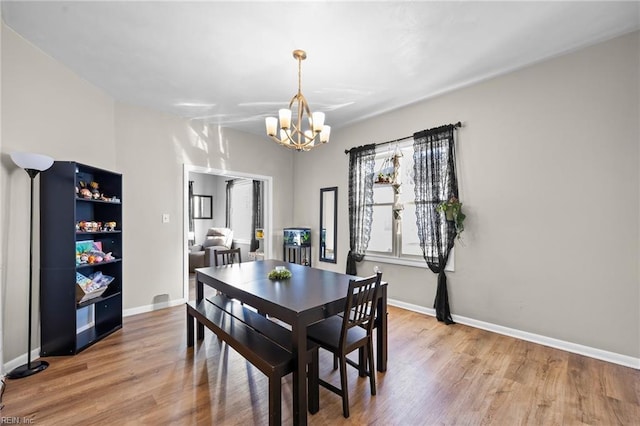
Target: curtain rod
[455,126]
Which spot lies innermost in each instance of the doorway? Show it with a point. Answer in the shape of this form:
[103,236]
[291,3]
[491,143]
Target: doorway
[226,175]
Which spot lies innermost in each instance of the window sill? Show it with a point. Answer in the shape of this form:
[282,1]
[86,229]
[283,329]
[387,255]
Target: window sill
[241,241]
[416,263]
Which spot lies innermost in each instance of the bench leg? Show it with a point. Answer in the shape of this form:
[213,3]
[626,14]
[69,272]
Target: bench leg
[190,326]
[200,327]
[275,401]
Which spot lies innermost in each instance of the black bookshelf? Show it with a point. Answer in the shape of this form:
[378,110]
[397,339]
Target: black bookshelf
[62,209]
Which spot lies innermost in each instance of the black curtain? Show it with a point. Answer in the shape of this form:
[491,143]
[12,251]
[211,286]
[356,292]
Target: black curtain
[361,175]
[256,216]
[435,182]
[227,216]
[191,225]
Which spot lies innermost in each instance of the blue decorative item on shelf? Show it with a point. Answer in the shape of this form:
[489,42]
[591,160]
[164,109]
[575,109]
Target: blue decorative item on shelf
[297,236]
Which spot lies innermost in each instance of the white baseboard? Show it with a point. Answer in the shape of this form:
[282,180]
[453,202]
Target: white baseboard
[153,307]
[600,354]
[21,360]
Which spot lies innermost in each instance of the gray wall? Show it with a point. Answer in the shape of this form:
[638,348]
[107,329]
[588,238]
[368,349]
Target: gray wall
[47,109]
[173,142]
[548,170]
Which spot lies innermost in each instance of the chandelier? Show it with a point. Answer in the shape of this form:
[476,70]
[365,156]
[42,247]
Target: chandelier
[296,135]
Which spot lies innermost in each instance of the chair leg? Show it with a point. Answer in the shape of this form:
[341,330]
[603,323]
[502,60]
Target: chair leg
[343,385]
[362,362]
[372,368]
[190,326]
[335,361]
[313,383]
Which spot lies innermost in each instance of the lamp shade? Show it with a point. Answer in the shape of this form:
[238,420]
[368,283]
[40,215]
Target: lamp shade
[27,160]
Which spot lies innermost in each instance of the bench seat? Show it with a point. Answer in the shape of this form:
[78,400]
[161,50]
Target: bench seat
[259,340]
[275,332]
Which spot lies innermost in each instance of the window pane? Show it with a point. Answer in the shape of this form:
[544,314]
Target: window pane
[383,166]
[381,230]
[241,210]
[382,194]
[406,175]
[410,240]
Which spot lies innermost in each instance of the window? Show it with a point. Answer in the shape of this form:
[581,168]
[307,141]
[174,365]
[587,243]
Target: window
[394,233]
[241,210]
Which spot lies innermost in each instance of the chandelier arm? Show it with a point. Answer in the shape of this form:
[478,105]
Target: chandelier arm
[283,142]
[296,126]
[297,132]
[291,144]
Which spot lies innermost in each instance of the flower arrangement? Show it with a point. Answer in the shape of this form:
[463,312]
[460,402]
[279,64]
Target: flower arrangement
[452,210]
[280,273]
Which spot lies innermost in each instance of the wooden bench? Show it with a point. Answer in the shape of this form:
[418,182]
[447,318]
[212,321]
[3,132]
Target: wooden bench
[259,340]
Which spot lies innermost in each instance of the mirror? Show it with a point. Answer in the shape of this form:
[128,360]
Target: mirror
[328,224]
[202,207]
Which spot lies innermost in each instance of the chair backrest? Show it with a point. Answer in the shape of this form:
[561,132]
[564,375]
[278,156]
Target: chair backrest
[361,304]
[227,257]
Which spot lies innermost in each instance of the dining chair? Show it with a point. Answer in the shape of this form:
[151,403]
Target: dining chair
[227,257]
[342,334]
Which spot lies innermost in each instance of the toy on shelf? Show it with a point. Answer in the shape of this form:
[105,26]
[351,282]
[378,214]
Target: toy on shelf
[92,192]
[95,193]
[92,226]
[90,252]
[84,192]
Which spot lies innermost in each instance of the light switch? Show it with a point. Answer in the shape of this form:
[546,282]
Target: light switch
[165,218]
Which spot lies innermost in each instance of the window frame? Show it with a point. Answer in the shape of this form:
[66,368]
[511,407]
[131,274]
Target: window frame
[243,186]
[396,256]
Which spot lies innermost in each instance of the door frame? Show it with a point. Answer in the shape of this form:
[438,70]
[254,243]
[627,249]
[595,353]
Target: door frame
[268,210]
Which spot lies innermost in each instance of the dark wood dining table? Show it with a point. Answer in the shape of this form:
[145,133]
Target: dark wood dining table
[310,295]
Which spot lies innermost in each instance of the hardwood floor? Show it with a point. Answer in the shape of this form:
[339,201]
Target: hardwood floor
[437,375]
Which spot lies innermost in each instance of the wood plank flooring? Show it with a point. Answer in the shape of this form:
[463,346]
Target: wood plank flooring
[437,375]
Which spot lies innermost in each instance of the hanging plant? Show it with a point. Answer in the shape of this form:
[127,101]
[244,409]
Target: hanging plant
[452,210]
[385,174]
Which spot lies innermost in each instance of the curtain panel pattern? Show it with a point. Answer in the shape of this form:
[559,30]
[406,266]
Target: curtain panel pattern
[191,225]
[227,216]
[257,214]
[435,182]
[361,176]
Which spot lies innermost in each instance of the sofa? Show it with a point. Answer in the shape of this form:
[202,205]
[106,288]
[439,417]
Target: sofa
[201,255]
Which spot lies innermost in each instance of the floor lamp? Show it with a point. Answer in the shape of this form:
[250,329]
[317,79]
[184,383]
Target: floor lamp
[32,164]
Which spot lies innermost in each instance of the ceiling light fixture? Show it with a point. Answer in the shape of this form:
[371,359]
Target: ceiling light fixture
[292,134]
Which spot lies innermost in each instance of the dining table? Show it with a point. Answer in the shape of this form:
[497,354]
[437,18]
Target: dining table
[308,296]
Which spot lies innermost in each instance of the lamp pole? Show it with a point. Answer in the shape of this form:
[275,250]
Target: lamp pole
[32,164]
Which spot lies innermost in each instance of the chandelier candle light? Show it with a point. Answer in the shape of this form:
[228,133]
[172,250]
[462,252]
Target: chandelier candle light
[292,134]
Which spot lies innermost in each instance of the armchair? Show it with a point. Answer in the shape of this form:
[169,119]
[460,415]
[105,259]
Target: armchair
[202,255]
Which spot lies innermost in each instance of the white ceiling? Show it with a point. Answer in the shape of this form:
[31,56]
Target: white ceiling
[230,63]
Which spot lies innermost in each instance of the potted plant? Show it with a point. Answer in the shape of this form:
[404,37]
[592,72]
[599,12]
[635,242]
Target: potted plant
[452,210]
